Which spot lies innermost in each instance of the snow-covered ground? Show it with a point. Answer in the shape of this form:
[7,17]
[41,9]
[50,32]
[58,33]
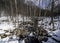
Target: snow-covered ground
[46,23]
[7,24]
[2,32]
[57,35]
[7,40]
[50,40]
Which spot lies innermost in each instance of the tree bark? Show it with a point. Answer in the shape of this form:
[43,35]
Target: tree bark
[52,8]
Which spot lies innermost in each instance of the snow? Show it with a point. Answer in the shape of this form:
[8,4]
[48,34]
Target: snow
[2,32]
[14,37]
[7,33]
[3,18]
[16,41]
[31,34]
[45,23]
[9,25]
[8,40]
[22,41]
[6,23]
[6,26]
[57,33]
[50,41]
[5,39]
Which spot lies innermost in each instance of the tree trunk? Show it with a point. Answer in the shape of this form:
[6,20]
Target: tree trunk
[52,8]
[35,20]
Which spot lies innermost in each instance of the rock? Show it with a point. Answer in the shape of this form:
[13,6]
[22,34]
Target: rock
[31,40]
